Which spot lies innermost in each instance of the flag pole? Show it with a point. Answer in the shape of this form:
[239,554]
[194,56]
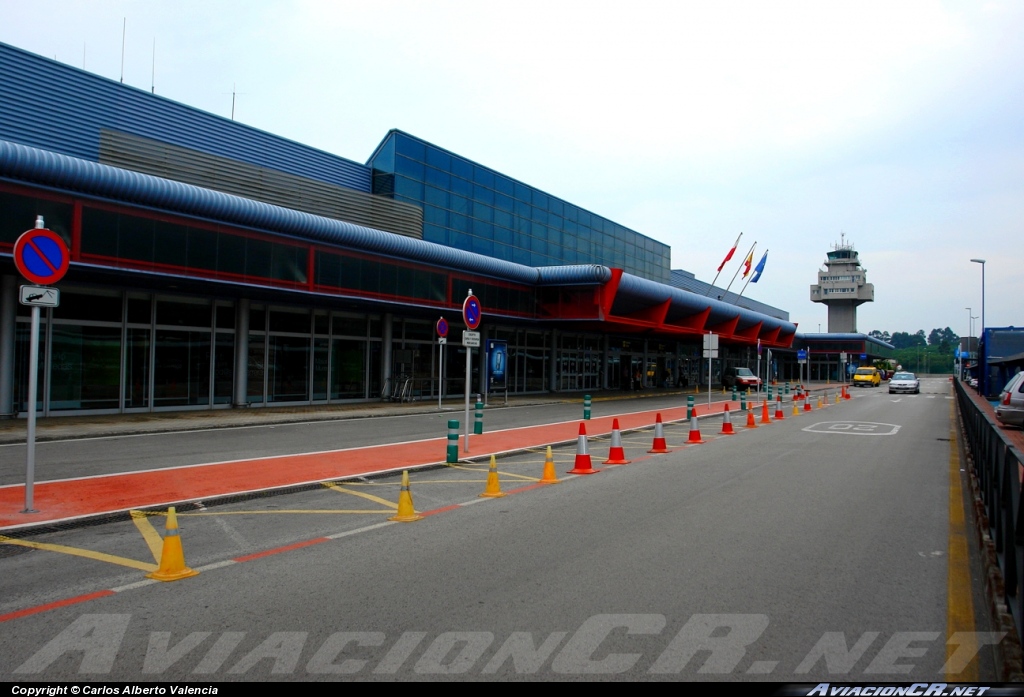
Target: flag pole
[748,281]
[728,256]
[738,272]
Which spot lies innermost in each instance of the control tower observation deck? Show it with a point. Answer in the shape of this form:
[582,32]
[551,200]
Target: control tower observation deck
[842,287]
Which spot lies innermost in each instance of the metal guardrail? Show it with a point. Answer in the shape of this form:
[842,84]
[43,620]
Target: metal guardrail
[997,468]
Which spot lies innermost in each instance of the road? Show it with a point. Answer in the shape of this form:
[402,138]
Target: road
[817,548]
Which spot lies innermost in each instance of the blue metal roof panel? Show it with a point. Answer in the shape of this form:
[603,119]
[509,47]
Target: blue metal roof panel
[57,107]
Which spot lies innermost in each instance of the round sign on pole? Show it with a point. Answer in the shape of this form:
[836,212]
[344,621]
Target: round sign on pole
[472,313]
[41,256]
[442,327]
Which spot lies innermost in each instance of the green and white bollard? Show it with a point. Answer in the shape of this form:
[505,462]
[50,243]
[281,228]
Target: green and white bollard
[586,407]
[743,401]
[689,407]
[787,388]
[453,441]
[769,393]
[733,398]
[478,418]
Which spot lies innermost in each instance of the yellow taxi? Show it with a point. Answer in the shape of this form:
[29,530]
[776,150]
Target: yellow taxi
[867,376]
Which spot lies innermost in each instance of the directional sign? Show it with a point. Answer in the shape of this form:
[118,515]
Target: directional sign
[40,295]
[442,327]
[472,313]
[41,256]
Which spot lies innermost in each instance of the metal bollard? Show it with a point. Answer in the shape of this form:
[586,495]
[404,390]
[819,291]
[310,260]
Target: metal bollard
[478,418]
[453,441]
[689,407]
[586,407]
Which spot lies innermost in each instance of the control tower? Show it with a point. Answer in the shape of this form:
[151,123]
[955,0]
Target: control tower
[841,286]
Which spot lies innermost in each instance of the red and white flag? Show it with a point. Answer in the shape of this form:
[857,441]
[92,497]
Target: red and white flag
[731,252]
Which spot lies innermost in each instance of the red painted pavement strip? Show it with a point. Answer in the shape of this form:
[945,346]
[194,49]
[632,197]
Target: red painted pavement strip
[70,499]
[53,606]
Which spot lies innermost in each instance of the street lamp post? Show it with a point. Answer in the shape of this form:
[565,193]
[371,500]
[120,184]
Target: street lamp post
[982,386]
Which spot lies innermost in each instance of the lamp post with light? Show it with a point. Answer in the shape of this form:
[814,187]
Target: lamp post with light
[982,383]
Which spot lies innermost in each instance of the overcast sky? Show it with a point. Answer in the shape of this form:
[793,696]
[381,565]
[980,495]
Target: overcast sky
[900,124]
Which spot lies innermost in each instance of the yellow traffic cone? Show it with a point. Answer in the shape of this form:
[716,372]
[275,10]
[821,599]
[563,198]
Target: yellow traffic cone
[493,490]
[172,557]
[549,476]
[406,512]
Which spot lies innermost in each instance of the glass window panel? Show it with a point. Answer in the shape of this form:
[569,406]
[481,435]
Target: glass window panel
[438,158]
[436,197]
[85,369]
[502,218]
[135,239]
[257,370]
[438,178]
[388,279]
[170,244]
[483,176]
[288,364]
[182,375]
[483,229]
[99,231]
[139,310]
[504,185]
[136,387]
[483,194]
[292,322]
[410,147]
[505,203]
[462,168]
[231,254]
[409,168]
[348,369]
[321,359]
[482,211]
[18,214]
[409,188]
[258,258]
[460,204]
[202,249]
[540,200]
[183,314]
[435,215]
[223,367]
[349,326]
[96,308]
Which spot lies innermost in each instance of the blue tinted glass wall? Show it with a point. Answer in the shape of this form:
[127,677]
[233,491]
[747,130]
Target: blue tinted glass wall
[477,209]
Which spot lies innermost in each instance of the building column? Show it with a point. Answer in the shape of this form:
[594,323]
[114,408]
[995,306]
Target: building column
[241,396]
[8,317]
[553,362]
[387,333]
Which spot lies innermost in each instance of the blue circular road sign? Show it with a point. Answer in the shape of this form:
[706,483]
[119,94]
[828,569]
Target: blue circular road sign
[41,256]
[442,327]
[472,313]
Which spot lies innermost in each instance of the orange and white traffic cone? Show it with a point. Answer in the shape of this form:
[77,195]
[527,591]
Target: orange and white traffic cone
[807,402]
[549,476]
[695,438]
[583,464]
[172,557]
[846,391]
[779,416]
[616,455]
[659,437]
[727,423]
[751,421]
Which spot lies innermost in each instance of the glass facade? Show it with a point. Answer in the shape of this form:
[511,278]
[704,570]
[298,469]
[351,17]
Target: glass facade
[477,209]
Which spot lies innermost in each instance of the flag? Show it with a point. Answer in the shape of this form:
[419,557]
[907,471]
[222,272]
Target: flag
[731,252]
[759,268]
[747,262]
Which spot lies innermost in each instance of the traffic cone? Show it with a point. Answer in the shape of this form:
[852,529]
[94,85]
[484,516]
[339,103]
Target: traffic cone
[796,408]
[172,557]
[695,438]
[549,476]
[616,455]
[821,404]
[493,489]
[659,437]
[764,413]
[727,423]
[837,395]
[779,416]
[406,512]
[846,391]
[751,422]
[583,464]
[807,403]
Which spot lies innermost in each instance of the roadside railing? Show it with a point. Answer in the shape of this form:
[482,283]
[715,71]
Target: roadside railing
[997,465]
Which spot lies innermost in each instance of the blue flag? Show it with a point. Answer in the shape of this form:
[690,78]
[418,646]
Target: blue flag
[759,268]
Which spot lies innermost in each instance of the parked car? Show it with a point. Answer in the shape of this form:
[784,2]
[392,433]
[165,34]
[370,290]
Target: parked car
[904,382]
[740,377]
[1010,410]
[868,376]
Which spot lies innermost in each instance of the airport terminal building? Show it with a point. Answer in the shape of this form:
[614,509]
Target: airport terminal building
[214,265]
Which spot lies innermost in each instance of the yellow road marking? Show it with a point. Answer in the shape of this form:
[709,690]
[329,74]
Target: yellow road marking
[76,552]
[369,497]
[959,603]
[500,472]
[280,512]
[149,534]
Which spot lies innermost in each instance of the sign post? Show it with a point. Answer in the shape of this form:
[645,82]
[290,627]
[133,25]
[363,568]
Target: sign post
[442,339]
[801,358]
[710,351]
[472,313]
[42,257]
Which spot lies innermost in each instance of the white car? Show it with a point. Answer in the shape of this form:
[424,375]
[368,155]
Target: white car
[904,382]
